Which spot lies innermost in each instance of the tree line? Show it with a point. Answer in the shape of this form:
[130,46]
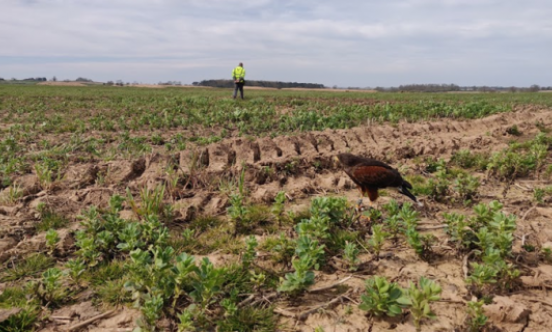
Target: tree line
[265,84]
[454,87]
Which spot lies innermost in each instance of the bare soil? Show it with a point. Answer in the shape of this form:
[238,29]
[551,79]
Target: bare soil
[301,165]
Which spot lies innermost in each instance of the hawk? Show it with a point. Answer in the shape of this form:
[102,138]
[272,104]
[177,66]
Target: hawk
[370,175]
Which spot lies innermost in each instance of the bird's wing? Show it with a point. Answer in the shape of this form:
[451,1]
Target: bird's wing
[376,176]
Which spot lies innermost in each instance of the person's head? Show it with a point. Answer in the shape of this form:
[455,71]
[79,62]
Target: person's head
[241,64]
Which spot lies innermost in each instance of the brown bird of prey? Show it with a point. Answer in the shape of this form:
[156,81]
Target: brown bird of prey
[370,175]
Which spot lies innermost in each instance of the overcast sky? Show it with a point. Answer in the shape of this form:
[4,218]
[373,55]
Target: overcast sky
[364,43]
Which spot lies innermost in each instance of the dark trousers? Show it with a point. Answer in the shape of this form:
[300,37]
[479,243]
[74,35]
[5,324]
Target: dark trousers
[238,86]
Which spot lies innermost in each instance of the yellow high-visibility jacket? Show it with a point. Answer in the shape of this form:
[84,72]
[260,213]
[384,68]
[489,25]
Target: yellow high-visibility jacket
[238,73]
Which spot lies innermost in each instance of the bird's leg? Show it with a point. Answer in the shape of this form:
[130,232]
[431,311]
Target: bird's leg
[371,205]
[359,202]
[359,205]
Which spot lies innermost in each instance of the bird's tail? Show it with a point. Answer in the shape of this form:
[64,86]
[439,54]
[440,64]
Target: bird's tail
[404,190]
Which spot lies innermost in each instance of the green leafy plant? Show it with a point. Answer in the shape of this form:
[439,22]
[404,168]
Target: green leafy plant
[308,247]
[250,251]
[395,227]
[50,289]
[186,319]
[419,298]
[49,219]
[421,243]
[278,205]
[52,239]
[282,248]
[381,297]
[301,279]
[350,255]
[408,215]
[458,229]
[377,240]
[76,268]
[237,212]
[207,284]
[476,319]
[466,187]
[47,171]
[493,274]
[547,254]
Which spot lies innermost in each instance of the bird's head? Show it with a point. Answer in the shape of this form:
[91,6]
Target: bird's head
[344,159]
[336,161]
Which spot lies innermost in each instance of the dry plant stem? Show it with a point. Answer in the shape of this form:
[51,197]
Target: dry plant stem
[271,296]
[527,213]
[452,301]
[246,301]
[285,312]
[466,262]
[329,286]
[267,297]
[306,313]
[91,320]
[303,315]
[541,301]
[429,228]
[523,188]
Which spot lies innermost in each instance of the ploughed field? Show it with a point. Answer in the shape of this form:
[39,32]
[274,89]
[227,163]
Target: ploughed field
[180,209]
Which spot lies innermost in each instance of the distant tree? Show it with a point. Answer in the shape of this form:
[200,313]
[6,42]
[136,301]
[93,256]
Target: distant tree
[82,79]
[1,79]
[109,83]
[534,88]
[54,79]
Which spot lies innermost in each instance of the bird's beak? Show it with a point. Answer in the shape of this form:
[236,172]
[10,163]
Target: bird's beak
[335,161]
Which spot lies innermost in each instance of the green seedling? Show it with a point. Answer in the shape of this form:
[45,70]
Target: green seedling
[395,226]
[250,251]
[377,240]
[547,254]
[12,196]
[421,243]
[186,319]
[49,290]
[76,268]
[381,297]
[350,255]
[466,187]
[207,284]
[419,298]
[237,212]
[307,247]
[151,203]
[278,205]
[476,319]
[408,215]
[458,229]
[52,239]
[301,279]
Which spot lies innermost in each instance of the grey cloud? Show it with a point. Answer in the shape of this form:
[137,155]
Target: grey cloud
[363,43]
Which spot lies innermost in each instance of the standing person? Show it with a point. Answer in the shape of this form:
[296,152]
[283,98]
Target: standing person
[238,75]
